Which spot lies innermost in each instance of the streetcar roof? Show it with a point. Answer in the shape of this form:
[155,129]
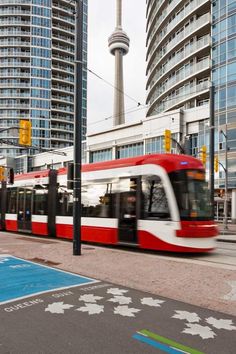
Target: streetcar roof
[170,162]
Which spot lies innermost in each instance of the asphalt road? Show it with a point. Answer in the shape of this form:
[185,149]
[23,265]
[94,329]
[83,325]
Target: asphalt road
[46,310]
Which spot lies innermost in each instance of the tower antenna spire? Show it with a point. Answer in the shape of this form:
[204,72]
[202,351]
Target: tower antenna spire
[118,14]
[118,44]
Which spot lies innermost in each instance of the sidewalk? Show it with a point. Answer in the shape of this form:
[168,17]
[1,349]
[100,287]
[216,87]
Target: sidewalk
[199,280]
[228,235]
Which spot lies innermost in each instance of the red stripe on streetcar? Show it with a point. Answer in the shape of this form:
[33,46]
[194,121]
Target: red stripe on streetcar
[197,229]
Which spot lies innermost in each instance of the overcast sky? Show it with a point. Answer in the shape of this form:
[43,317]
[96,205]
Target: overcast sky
[101,23]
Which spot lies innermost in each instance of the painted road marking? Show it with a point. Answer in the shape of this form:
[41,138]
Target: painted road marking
[20,279]
[157,345]
[165,344]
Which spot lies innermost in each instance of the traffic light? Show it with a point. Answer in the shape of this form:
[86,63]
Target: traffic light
[25,132]
[167,140]
[2,173]
[203,154]
[216,164]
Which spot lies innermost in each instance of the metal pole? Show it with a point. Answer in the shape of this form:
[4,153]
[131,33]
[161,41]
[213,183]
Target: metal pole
[212,147]
[226,181]
[78,130]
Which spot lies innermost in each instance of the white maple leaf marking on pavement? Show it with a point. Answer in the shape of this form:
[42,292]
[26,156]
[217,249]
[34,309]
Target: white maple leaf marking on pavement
[195,329]
[125,311]
[232,294]
[151,302]
[58,307]
[221,324]
[92,309]
[116,291]
[122,300]
[188,316]
[90,298]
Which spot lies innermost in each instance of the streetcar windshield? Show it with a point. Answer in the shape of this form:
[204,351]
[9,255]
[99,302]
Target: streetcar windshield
[192,194]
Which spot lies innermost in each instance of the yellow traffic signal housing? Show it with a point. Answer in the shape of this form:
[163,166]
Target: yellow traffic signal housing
[167,140]
[25,132]
[216,164]
[2,173]
[204,154]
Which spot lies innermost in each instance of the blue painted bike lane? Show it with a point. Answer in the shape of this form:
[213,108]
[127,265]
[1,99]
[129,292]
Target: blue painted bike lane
[20,279]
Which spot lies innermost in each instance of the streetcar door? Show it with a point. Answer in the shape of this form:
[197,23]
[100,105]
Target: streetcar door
[24,210]
[3,202]
[128,215]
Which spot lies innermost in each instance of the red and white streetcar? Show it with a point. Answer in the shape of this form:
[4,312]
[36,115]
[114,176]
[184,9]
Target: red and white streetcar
[157,202]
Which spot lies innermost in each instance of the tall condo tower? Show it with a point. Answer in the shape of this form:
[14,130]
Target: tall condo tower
[178,54]
[118,44]
[37,55]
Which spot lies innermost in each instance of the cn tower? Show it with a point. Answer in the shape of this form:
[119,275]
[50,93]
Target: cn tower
[118,44]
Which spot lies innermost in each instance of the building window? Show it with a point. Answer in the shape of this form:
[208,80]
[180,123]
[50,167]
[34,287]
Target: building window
[101,155]
[129,150]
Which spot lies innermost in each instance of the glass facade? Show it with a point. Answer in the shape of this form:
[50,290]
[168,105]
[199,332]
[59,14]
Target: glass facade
[224,79]
[100,155]
[40,73]
[37,79]
[178,54]
[130,150]
[155,145]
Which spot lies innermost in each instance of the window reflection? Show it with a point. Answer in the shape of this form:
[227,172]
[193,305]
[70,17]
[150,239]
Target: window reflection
[155,203]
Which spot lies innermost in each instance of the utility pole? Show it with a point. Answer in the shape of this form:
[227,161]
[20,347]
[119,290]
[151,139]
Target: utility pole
[226,180]
[212,147]
[78,129]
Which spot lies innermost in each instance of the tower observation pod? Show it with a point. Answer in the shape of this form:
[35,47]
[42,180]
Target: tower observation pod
[118,44]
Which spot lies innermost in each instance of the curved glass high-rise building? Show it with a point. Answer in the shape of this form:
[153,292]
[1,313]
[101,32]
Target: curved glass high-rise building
[224,64]
[178,54]
[37,53]
[191,43]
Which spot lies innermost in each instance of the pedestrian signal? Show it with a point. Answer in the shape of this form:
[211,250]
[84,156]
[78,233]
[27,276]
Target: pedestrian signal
[167,140]
[216,164]
[203,154]
[25,132]
[2,173]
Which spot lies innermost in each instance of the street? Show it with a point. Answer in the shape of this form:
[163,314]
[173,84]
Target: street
[224,255]
[53,302]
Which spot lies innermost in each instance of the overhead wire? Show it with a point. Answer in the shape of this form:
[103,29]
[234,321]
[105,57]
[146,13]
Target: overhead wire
[125,94]
[130,110]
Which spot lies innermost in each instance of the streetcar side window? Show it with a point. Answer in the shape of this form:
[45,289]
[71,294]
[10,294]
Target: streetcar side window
[11,200]
[155,203]
[65,203]
[98,200]
[40,202]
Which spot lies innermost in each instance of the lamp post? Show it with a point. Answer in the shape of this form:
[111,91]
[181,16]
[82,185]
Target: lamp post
[212,147]
[77,129]
[226,179]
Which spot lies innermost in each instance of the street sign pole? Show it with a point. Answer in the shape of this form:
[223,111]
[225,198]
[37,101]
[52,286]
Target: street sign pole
[212,148]
[78,130]
[226,179]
